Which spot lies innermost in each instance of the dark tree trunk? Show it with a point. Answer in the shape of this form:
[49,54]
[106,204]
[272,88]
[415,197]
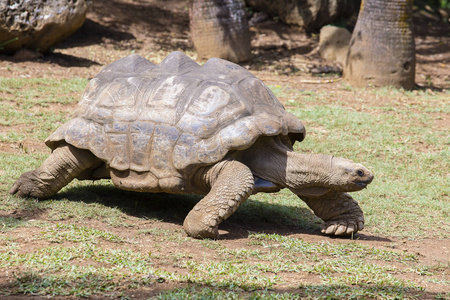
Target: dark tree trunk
[219,29]
[382,48]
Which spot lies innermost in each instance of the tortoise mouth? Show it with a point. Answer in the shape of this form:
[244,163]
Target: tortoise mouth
[364,183]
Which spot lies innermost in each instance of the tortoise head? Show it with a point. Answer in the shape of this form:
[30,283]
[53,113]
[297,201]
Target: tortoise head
[348,176]
[317,174]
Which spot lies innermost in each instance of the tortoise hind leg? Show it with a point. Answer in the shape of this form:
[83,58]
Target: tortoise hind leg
[61,167]
[341,213]
[231,184]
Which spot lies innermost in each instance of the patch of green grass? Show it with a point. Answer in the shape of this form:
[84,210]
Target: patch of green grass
[302,292]
[75,270]
[29,92]
[307,249]
[77,233]
[26,105]
[64,209]
[80,284]
[41,124]
[228,274]
[9,223]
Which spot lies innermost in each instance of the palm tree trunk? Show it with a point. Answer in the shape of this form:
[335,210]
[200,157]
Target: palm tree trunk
[382,50]
[219,28]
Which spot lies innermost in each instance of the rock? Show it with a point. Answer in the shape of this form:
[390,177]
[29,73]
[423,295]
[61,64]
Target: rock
[38,24]
[310,14]
[333,43]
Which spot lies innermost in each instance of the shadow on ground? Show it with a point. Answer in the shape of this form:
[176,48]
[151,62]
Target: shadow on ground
[180,290]
[253,216]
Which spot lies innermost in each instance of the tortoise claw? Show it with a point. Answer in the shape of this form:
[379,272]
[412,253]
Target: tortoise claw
[342,227]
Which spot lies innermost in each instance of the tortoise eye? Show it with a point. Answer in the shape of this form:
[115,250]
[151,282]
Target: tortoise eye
[360,173]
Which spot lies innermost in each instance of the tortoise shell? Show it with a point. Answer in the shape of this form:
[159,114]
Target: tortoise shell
[163,122]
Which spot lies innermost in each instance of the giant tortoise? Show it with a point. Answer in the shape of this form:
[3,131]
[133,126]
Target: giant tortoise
[178,127]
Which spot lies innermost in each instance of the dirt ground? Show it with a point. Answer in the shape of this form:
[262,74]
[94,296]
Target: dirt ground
[117,28]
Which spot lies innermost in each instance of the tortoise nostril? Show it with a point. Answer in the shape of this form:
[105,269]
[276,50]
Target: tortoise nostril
[360,173]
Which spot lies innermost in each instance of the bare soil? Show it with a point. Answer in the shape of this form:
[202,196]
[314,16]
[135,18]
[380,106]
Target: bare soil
[282,54]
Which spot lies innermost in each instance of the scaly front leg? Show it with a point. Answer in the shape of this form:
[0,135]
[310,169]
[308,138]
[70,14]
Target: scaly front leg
[231,184]
[61,167]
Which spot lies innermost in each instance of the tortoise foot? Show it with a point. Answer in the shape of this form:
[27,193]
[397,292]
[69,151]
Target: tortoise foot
[29,185]
[340,212]
[348,218]
[197,226]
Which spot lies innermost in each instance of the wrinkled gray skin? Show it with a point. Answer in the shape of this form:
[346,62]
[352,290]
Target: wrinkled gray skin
[180,128]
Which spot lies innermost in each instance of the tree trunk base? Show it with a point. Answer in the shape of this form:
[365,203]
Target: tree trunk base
[382,50]
[219,29]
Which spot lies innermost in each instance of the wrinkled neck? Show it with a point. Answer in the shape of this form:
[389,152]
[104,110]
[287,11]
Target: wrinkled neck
[272,160]
[308,170]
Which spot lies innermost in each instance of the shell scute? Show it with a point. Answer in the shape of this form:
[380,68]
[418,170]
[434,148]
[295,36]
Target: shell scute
[202,127]
[142,127]
[211,107]
[140,144]
[210,101]
[117,93]
[163,141]
[176,63]
[239,135]
[184,152]
[209,152]
[116,127]
[99,115]
[219,70]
